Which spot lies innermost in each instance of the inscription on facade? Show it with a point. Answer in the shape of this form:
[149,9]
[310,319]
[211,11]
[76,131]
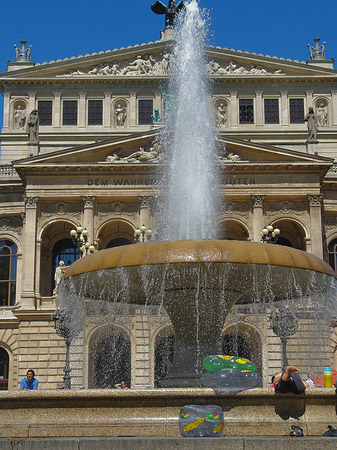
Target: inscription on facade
[241,181]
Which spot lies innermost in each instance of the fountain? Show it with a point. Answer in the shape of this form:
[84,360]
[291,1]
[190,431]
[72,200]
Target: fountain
[196,279]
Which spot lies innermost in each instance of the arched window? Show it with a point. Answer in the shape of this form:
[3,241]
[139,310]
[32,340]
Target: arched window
[163,357]
[111,359]
[64,251]
[332,250]
[117,242]
[4,368]
[8,263]
[233,344]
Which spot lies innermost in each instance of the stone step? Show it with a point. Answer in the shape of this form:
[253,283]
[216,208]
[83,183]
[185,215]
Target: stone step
[171,443]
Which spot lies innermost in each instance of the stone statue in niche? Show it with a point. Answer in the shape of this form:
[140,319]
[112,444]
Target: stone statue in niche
[19,118]
[322,115]
[33,127]
[221,115]
[120,113]
[311,120]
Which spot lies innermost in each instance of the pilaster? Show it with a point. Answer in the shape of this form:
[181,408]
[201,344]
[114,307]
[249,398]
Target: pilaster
[234,109]
[133,109]
[259,108]
[258,220]
[144,212]
[31,101]
[107,110]
[82,110]
[7,98]
[29,253]
[57,110]
[284,109]
[315,210]
[309,99]
[334,108]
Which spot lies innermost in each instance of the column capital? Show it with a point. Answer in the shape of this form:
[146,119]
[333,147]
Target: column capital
[334,92]
[259,93]
[57,94]
[258,200]
[233,93]
[88,201]
[31,202]
[83,95]
[107,94]
[284,93]
[144,201]
[315,199]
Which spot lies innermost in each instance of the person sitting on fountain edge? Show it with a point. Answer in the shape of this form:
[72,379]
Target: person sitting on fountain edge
[29,382]
[290,381]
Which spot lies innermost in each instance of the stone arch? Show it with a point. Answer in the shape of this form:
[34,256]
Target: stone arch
[120,113]
[9,275]
[53,232]
[162,352]
[10,345]
[11,236]
[243,339]
[292,230]
[4,369]
[232,228]
[323,104]
[19,110]
[109,356]
[332,251]
[114,229]
[221,116]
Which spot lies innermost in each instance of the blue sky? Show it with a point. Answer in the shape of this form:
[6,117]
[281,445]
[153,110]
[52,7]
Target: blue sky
[70,28]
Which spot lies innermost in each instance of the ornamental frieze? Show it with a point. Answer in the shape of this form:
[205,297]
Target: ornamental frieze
[48,209]
[236,208]
[11,224]
[286,207]
[117,208]
[160,65]
[330,222]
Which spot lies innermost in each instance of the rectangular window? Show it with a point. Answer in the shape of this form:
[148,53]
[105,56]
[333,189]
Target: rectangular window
[69,112]
[145,111]
[296,106]
[95,112]
[45,110]
[271,110]
[246,110]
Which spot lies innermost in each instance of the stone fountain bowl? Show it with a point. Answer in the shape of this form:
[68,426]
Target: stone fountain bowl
[198,282]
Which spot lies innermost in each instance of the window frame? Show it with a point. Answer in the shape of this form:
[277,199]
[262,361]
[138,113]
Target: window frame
[147,121]
[41,119]
[241,100]
[11,281]
[68,101]
[90,123]
[298,121]
[278,110]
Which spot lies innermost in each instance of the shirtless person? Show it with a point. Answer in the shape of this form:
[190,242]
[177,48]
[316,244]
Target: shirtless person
[289,380]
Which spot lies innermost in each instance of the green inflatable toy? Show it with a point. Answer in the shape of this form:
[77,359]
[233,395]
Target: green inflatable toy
[213,363]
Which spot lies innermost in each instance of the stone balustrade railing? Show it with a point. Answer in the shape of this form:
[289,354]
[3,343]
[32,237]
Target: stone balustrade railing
[7,171]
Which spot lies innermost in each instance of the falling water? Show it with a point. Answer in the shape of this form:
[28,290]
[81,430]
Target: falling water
[190,209]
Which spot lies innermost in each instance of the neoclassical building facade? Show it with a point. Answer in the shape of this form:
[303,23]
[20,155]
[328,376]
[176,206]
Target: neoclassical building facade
[94,161]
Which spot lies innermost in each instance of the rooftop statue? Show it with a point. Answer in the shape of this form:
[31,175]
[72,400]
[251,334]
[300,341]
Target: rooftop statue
[171,11]
[317,52]
[23,54]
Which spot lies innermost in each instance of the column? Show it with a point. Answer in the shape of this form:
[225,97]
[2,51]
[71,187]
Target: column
[107,110]
[88,216]
[258,219]
[82,110]
[259,108]
[133,109]
[234,109]
[334,108]
[38,265]
[284,109]
[7,97]
[57,110]
[315,204]
[29,254]
[31,102]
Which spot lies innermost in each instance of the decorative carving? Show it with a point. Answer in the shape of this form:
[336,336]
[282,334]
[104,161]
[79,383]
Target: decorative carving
[330,222]
[317,52]
[31,202]
[148,155]
[258,200]
[234,68]
[11,224]
[161,65]
[19,117]
[225,155]
[22,54]
[88,202]
[315,199]
[322,115]
[286,208]
[236,208]
[116,208]
[144,202]
[60,208]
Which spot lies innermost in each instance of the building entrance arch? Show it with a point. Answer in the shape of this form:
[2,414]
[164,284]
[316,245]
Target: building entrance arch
[4,369]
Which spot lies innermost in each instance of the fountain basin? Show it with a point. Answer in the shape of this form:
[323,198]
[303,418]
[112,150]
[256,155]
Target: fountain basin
[198,282]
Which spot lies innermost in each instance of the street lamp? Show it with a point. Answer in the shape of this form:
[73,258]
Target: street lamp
[142,232]
[80,241]
[284,324]
[269,235]
[63,329]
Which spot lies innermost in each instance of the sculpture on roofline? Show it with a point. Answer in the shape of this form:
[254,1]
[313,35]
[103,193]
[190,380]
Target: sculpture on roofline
[22,54]
[317,52]
[171,11]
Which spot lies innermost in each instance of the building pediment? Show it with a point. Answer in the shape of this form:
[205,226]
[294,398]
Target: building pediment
[143,151]
[155,59]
